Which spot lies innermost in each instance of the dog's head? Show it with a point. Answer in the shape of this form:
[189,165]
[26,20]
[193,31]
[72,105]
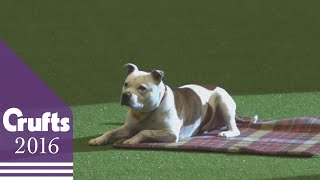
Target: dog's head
[142,91]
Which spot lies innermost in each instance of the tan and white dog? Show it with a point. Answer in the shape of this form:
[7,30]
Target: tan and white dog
[158,114]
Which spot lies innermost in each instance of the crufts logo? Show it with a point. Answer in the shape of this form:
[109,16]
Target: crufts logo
[34,124]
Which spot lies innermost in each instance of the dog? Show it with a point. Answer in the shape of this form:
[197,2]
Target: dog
[158,113]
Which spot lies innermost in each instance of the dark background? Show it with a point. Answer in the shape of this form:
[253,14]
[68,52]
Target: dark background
[248,47]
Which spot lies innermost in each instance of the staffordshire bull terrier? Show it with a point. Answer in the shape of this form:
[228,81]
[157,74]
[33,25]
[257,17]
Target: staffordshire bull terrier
[158,113]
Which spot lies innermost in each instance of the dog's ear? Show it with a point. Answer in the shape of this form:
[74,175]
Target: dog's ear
[130,68]
[157,75]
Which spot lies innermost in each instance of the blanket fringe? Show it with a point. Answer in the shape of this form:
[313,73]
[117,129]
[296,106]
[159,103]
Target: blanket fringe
[241,120]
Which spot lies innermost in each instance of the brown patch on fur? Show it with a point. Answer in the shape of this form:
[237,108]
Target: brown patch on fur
[188,105]
[208,86]
[136,116]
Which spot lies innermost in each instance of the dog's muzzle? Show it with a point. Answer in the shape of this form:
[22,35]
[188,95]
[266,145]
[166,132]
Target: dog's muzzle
[125,98]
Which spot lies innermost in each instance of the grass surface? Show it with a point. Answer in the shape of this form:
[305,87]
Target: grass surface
[106,162]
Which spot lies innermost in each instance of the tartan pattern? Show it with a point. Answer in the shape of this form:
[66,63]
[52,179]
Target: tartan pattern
[288,137]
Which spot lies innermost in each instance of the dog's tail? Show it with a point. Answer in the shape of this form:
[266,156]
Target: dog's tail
[241,120]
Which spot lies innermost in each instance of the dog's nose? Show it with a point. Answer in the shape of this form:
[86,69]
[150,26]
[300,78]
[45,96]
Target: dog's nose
[125,98]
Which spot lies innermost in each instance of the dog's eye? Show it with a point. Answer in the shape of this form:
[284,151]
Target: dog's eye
[142,88]
[125,84]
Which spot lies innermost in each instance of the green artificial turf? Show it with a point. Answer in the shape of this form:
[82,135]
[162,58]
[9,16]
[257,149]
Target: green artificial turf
[79,47]
[106,162]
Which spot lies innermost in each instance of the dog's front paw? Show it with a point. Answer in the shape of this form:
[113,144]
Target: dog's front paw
[97,141]
[228,134]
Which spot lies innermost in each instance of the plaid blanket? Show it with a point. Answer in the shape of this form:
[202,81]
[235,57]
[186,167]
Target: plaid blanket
[287,137]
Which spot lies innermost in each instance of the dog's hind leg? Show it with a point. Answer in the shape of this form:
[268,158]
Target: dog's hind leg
[220,98]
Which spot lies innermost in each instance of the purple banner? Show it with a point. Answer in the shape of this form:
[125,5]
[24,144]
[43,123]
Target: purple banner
[36,125]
